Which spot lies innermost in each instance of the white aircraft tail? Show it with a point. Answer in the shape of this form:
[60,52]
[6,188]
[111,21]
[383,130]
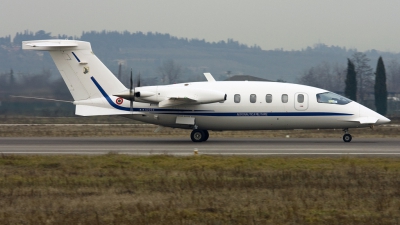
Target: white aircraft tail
[90,82]
[79,67]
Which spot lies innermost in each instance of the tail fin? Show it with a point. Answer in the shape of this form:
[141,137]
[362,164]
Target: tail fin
[78,66]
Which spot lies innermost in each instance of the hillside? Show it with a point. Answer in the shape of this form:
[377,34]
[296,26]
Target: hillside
[146,52]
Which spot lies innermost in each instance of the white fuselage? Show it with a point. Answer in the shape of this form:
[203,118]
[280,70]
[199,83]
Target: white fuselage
[258,114]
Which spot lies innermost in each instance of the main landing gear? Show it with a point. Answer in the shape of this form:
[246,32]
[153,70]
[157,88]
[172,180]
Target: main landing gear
[198,135]
[347,137]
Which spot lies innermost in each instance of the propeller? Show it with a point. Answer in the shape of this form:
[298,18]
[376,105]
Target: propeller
[131,97]
[138,83]
[132,94]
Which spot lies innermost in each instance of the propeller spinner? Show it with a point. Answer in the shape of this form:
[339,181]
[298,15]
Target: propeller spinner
[130,96]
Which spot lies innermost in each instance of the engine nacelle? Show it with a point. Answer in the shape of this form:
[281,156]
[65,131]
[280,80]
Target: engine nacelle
[173,95]
[191,95]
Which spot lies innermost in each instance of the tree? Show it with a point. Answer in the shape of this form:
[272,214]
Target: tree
[325,76]
[380,88]
[12,79]
[393,76]
[350,90]
[170,71]
[364,74]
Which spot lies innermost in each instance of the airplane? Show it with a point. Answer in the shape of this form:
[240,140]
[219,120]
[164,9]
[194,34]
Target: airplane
[202,106]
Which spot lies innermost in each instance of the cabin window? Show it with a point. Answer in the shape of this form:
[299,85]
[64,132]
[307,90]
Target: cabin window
[332,98]
[253,98]
[285,98]
[300,98]
[236,98]
[268,98]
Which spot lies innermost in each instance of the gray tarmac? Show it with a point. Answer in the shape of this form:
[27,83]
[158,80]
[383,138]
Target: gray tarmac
[214,146]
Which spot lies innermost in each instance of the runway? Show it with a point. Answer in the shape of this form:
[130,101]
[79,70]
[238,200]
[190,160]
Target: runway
[217,146]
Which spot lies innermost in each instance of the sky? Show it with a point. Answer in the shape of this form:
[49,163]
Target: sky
[270,24]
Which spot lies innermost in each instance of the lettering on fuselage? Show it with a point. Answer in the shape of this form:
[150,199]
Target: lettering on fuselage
[252,114]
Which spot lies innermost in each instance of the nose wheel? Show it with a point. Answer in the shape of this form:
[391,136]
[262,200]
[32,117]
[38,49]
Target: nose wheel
[198,135]
[347,137]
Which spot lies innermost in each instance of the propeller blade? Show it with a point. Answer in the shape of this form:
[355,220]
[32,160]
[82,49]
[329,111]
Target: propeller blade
[131,96]
[131,106]
[138,83]
[131,84]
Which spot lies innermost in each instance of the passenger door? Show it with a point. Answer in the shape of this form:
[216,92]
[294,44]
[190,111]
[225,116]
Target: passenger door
[300,101]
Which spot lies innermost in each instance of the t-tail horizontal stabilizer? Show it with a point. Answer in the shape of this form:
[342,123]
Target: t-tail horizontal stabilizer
[37,45]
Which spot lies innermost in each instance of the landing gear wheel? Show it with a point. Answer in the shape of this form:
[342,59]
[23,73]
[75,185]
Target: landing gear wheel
[347,137]
[206,135]
[198,135]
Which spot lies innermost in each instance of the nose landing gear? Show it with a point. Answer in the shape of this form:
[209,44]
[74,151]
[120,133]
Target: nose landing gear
[198,135]
[347,137]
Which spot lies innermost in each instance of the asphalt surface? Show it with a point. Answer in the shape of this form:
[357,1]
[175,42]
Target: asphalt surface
[214,146]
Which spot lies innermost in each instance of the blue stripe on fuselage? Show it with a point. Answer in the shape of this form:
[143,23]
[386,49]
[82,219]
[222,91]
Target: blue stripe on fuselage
[113,104]
[246,114]
[108,97]
[184,112]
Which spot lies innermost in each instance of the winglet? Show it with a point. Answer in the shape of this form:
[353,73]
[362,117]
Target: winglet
[209,77]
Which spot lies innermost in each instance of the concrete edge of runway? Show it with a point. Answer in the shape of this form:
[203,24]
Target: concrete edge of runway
[330,147]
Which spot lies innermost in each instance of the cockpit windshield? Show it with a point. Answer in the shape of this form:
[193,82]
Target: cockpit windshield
[332,98]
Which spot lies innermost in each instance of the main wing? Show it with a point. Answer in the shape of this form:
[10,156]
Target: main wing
[173,95]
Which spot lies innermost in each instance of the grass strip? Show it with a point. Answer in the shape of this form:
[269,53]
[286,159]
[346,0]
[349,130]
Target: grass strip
[162,189]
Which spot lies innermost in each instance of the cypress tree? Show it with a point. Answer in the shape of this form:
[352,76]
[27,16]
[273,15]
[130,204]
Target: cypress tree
[350,90]
[380,88]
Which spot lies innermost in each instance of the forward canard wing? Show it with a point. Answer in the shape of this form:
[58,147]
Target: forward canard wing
[363,120]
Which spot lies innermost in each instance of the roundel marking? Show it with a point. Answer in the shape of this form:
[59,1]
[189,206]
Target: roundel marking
[119,101]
